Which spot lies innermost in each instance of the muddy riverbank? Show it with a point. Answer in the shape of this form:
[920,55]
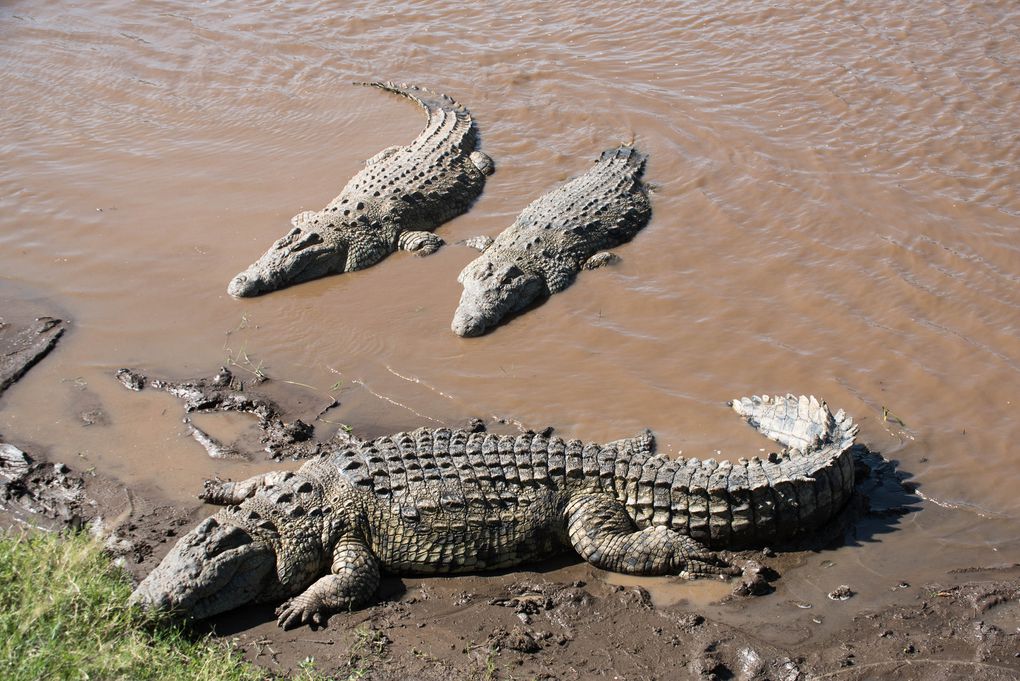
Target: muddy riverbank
[565,619]
[562,619]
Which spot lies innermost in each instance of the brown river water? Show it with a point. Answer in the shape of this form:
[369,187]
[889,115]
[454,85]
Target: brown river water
[836,212]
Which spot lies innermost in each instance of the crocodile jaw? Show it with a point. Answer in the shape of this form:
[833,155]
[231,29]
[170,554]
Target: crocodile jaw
[300,256]
[212,569]
[492,290]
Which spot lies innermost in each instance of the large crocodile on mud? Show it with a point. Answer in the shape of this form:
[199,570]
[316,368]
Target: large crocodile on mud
[434,501]
[401,195]
[553,239]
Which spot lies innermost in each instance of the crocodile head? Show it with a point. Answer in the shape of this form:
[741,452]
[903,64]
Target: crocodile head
[493,288]
[301,255]
[212,569]
[271,545]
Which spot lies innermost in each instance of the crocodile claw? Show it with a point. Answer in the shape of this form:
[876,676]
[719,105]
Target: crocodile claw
[298,611]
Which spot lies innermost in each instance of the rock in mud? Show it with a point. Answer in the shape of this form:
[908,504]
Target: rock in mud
[519,639]
[751,664]
[841,593]
[132,380]
[48,490]
[754,580]
[94,417]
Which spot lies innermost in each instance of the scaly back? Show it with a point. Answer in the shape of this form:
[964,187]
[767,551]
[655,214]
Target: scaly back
[484,468]
[722,504]
[604,207]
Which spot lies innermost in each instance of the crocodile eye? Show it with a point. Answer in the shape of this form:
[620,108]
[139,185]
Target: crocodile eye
[310,240]
[230,538]
[513,272]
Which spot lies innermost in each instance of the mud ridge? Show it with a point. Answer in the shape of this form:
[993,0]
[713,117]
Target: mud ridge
[226,393]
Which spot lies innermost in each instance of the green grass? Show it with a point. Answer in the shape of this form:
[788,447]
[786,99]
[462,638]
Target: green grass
[64,615]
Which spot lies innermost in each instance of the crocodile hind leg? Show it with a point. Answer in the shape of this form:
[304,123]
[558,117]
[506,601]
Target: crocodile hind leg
[354,579]
[604,535]
[483,162]
[419,243]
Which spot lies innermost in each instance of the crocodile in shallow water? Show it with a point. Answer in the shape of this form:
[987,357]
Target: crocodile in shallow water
[441,500]
[554,238]
[401,195]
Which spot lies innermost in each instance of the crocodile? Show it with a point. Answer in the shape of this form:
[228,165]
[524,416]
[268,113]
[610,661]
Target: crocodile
[558,235]
[394,202]
[443,501]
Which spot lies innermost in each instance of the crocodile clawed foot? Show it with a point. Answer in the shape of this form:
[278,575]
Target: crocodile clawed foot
[698,569]
[700,562]
[419,243]
[212,491]
[298,611]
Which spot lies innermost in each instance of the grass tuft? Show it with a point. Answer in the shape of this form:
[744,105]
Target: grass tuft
[64,615]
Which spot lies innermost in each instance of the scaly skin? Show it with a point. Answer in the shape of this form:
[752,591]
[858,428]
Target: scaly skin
[444,500]
[553,239]
[395,202]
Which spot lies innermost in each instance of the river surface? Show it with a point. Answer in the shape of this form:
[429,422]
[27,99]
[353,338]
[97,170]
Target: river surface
[836,212]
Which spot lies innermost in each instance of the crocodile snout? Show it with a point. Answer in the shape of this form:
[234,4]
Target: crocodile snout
[467,325]
[242,287]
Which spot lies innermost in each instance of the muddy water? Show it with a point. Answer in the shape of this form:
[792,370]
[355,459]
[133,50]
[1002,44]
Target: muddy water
[836,212]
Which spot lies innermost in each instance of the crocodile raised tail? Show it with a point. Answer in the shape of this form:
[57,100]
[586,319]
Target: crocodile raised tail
[555,237]
[401,195]
[440,500]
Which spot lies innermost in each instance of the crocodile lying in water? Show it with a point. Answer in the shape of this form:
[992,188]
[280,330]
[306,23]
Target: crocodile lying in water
[402,194]
[442,500]
[553,239]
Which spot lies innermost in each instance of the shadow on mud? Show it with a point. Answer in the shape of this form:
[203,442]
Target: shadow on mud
[882,496]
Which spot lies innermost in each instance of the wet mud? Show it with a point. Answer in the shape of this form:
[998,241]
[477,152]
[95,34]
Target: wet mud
[562,619]
[559,620]
[226,393]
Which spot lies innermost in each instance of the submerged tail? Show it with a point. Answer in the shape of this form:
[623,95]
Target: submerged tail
[426,99]
[628,155]
[451,120]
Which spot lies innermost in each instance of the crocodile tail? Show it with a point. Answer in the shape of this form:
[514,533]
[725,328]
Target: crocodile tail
[628,155]
[803,423]
[812,479]
[756,501]
[426,99]
[438,108]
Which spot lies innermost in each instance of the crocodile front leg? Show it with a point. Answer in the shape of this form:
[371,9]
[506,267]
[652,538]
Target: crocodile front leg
[604,535]
[354,579]
[225,493]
